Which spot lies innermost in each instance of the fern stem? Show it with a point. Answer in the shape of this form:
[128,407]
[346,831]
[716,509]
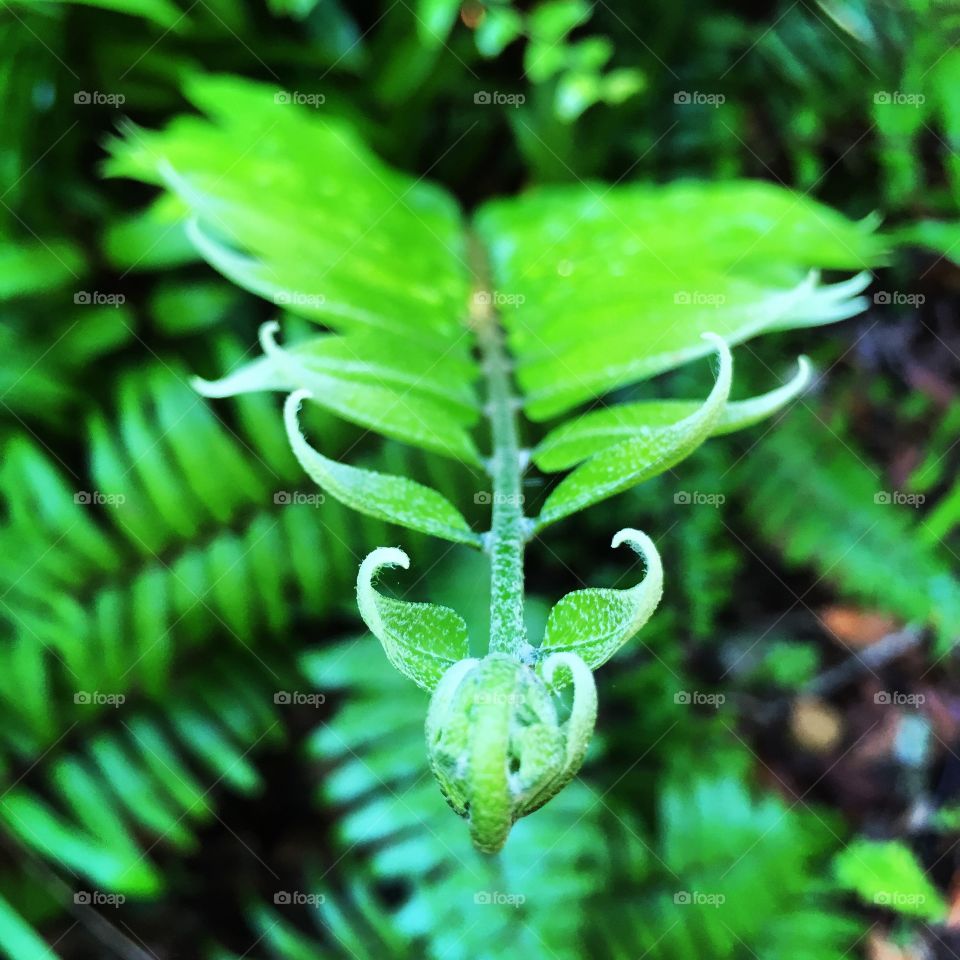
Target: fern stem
[509,529]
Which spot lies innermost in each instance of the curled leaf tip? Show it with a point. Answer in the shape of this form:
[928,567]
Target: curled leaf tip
[594,623]
[725,372]
[385,496]
[622,465]
[421,640]
[267,335]
[383,557]
[644,546]
[803,377]
[292,405]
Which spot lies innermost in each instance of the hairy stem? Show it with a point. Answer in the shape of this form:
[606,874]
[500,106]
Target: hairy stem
[505,541]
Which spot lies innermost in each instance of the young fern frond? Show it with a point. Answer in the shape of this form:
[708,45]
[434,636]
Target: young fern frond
[552,299]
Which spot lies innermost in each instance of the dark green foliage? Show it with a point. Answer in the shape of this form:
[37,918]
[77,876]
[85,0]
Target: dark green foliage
[659,896]
[843,519]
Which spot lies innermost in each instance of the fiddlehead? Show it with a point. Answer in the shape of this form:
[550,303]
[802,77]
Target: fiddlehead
[496,744]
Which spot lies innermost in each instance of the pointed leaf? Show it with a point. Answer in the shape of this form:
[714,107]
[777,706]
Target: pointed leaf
[350,242]
[578,439]
[887,874]
[594,623]
[422,640]
[379,359]
[626,464]
[403,414]
[616,285]
[382,495]
[46,831]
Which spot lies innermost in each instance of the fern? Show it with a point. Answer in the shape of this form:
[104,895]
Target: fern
[654,278]
[741,879]
[934,477]
[711,865]
[152,545]
[843,519]
[158,560]
[145,781]
[887,875]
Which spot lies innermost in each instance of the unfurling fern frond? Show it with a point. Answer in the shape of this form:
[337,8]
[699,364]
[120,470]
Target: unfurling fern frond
[569,293]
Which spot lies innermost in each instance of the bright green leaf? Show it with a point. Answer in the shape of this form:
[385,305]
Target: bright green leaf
[617,284]
[628,463]
[578,439]
[887,875]
[404,413]
[499,27]
[435,20]
[550,22]
[422,640]
[18,940]
[576,91]
[116,869]
[387,497]
[595,623]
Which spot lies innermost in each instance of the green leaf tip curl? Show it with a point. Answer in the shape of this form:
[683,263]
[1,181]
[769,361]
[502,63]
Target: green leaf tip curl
[422,640]
[576,440]
[496,744]
[595,623]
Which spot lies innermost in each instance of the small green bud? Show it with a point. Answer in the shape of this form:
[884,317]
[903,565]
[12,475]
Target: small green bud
[495,741]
